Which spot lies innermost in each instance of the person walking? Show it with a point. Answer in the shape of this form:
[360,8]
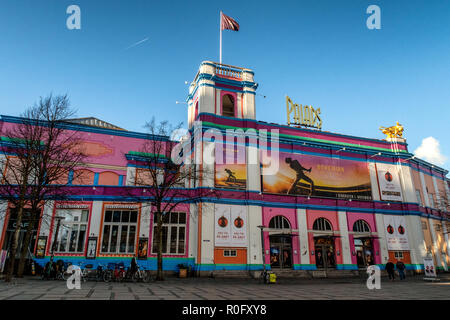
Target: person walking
[133,266]
[390,267]
[401,269]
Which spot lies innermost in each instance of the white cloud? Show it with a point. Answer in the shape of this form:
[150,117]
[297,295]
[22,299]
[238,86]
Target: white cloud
[177,134]
[429,150]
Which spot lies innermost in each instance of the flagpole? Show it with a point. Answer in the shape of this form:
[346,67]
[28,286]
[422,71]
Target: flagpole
[220,27]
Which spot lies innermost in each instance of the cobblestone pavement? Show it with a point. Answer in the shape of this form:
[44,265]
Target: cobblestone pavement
[226,289]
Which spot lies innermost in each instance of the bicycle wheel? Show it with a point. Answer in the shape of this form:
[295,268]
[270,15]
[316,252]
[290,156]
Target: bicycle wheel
[136,276]
[107,276]
[147,277]
[84,275]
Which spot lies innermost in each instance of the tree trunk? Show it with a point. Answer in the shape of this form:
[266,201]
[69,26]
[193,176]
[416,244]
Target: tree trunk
[14,245]
[159,275]
[25,245]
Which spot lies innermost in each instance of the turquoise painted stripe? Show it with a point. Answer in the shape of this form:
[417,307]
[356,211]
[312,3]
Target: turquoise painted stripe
[169,263]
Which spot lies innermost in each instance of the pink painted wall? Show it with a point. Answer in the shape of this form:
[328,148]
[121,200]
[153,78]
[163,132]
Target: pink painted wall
[103,149]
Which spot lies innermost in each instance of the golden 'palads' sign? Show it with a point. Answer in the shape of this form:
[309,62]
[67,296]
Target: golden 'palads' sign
[303,115]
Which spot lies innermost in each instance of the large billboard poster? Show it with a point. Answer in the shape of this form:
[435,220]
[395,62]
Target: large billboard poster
[300,174]
[396,233]
[230,168]
[230,228]
[389,182]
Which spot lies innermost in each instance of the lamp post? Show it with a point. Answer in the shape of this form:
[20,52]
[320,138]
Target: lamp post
[58,225]
[262,246]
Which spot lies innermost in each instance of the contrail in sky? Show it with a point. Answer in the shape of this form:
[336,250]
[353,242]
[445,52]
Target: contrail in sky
[135,44]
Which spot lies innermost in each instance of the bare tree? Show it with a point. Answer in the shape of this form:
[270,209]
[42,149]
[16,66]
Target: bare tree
[39,155]
[168,184]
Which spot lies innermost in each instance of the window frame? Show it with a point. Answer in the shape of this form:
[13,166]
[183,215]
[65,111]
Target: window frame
[232,253]
[322,222]
[167,223]
[279,223]
[233,101]
[68,226]
[361,225]
[120,224]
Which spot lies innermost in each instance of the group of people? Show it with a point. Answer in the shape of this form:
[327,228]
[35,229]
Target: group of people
[390,269]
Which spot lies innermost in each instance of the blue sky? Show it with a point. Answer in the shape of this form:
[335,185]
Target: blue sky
[318,52]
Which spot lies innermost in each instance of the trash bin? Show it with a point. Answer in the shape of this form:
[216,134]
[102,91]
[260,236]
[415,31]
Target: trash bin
[272,277]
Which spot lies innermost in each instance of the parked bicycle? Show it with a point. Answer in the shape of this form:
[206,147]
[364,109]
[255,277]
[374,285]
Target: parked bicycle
[61,270]
[86,272]
[100,274]
[141,275]
[115,271]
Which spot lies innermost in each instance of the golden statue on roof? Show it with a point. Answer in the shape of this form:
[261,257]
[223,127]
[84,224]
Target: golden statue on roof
[394,131]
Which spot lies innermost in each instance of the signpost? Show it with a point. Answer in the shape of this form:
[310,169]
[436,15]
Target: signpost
[430,270]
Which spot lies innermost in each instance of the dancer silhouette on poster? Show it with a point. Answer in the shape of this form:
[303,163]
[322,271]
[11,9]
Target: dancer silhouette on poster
[297,167]
[231,176]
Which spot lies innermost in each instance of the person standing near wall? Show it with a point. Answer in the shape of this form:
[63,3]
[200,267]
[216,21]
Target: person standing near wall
[390,267]
[401,269]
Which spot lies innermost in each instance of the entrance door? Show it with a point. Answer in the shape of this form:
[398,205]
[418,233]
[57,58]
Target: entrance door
[324,252]
[364,252]
[280,251]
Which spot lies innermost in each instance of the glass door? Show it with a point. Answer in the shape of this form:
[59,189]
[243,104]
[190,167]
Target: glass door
[324,253]
[280,252]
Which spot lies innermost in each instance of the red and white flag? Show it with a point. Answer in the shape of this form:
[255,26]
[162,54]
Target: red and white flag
[228,23]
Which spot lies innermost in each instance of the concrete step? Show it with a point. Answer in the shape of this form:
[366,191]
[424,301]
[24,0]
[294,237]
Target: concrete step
[242,274]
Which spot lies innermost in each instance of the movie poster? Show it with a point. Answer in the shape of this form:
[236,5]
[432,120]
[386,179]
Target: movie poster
[396,233]
[143,248]
[230,226]
[230,167]
[389,181]
[40,248]
[91,248]
[300,174]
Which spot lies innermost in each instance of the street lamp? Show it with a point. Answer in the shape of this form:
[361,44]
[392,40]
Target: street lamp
[262,246]
[58,225]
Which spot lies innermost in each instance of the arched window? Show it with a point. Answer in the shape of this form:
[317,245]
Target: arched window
[361,226]
[322,224]
[228,105]
[279,222]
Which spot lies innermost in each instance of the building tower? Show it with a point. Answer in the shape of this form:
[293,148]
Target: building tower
[222,90]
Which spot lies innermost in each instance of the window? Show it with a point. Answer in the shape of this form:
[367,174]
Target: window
[279,222]
[72,230]
[119,231]
[398,255]
[419,198]
[229,253]
[361,226]
[173,233]
[424,225]
[322,224]
[228,105]
[430,195]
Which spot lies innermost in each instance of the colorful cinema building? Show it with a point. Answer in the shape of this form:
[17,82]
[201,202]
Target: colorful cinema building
[335,204]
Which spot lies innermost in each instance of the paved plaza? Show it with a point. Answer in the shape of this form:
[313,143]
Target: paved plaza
[226,289]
